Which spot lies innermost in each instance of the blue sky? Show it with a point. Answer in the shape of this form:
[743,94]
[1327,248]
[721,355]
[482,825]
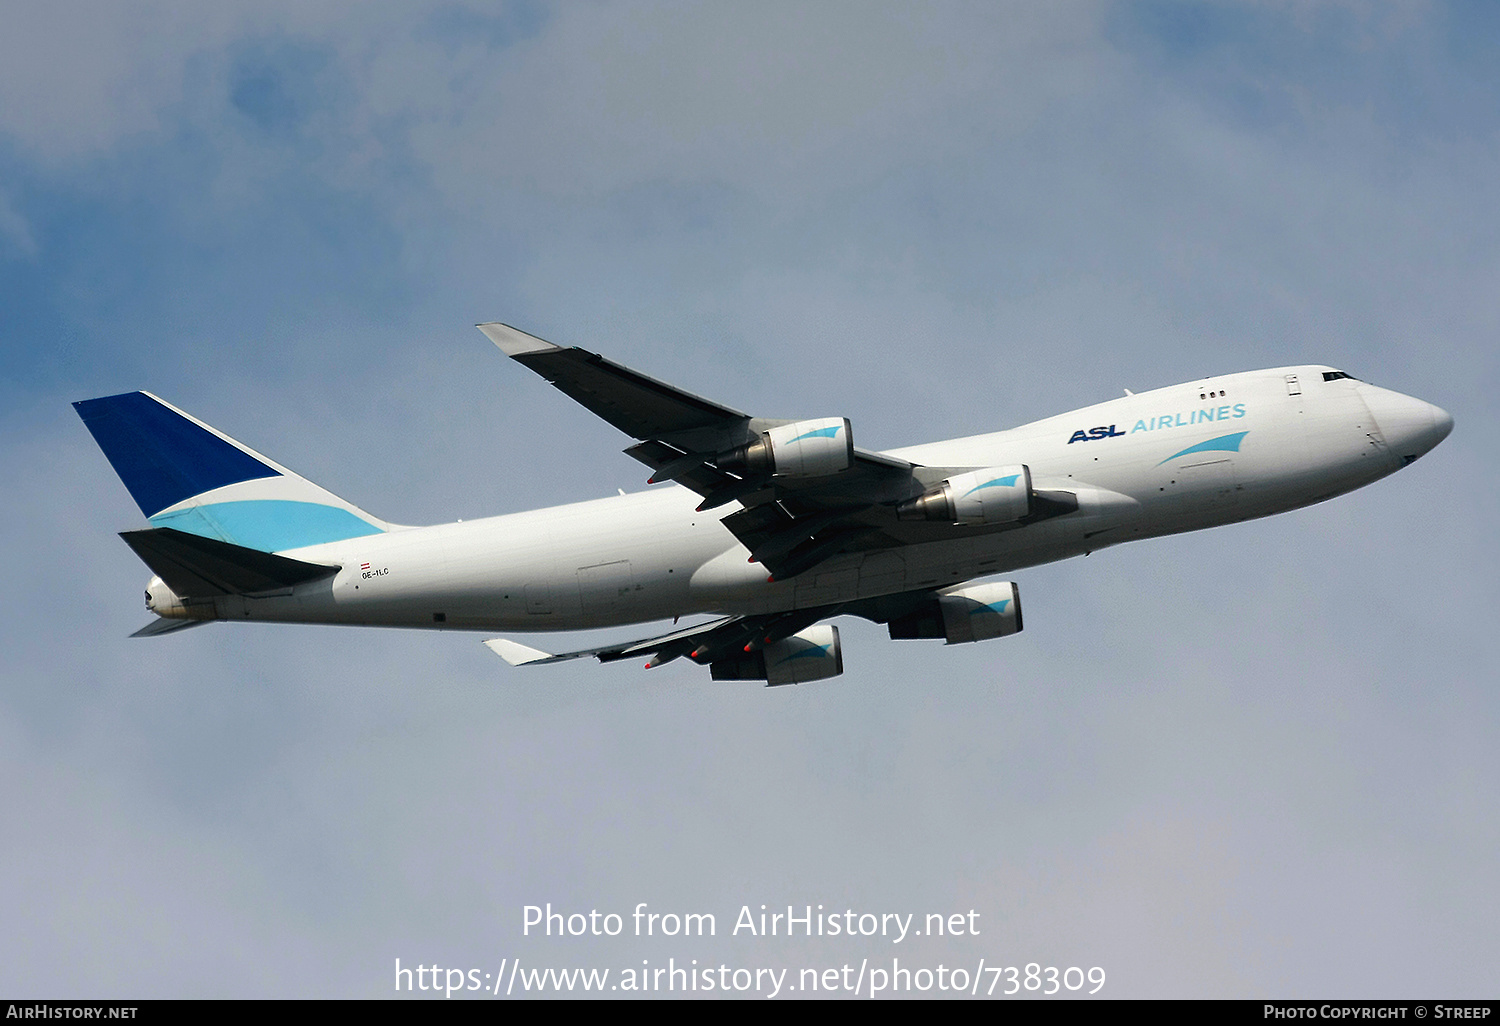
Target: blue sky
[1252,761]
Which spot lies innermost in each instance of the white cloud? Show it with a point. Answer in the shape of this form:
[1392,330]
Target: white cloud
[778,101]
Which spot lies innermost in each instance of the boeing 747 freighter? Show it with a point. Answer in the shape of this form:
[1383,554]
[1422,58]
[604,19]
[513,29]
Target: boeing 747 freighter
[768,526]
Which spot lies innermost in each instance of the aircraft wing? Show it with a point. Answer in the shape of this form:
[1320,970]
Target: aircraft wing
[679,431]
[725,639]
[641,407]
[703,643]
[789,523]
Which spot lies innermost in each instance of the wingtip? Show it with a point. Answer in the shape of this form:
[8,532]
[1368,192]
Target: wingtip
[515,653]
[514,341]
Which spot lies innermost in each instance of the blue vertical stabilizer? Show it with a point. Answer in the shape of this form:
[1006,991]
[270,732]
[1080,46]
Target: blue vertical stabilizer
[187,476]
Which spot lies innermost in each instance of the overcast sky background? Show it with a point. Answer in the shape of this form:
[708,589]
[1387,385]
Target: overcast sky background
[1259,760]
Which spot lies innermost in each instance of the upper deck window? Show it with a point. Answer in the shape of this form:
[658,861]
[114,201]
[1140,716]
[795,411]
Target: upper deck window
[1335,375]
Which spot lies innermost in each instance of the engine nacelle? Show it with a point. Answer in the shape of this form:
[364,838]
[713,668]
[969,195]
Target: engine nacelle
[994,495]
[806,448]
[967,612]
[811,654]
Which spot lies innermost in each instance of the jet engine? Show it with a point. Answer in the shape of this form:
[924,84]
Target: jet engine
[811,654]
[805,448]
[994,495]
[967,612]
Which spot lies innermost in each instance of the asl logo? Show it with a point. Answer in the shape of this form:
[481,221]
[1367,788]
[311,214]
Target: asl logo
[1094,434]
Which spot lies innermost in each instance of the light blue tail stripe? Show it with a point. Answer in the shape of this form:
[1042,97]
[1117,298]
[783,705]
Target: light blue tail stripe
[269,525]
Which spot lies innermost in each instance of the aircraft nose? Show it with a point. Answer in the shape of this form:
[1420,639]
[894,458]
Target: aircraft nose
[1442,422]
[1410,426]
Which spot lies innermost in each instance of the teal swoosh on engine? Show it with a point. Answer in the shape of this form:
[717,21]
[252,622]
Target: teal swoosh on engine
[828,432]
[811,652]
[1009,481]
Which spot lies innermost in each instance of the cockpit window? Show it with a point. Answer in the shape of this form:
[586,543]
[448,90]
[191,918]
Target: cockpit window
[1335,375]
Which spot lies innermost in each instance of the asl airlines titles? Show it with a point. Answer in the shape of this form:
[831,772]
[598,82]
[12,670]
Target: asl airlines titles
[1169,420]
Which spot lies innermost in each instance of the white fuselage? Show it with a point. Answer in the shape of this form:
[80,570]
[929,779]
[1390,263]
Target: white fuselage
[650,556]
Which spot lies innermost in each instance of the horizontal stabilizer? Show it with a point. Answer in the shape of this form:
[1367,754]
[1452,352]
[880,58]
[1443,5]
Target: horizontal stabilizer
[198,567]
[162,625]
